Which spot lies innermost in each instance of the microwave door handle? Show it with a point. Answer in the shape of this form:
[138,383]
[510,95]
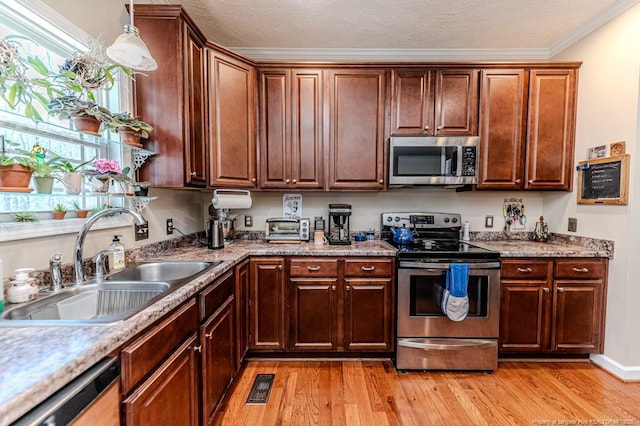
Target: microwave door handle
[443,161]
[459,155]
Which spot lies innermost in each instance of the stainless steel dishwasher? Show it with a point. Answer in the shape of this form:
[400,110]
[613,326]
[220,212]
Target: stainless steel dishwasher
[79,397]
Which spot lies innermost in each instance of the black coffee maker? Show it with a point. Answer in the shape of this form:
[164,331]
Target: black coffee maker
[339,224]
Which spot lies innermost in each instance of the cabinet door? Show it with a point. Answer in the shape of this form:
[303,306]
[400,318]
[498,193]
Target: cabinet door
[313,307]
[503,101]
[412,102]
[196,142]
[524,313]
[242,312]
[267,304]
[577,316]
[368,314]
[217,336]
[231,122]
[170,395]
[551,129]
[356,129]
[456,102]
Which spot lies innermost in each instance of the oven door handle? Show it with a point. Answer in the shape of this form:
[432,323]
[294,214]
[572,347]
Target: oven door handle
[443,266]
[449,344]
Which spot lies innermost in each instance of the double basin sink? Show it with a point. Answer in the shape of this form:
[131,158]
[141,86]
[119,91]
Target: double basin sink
[117,297]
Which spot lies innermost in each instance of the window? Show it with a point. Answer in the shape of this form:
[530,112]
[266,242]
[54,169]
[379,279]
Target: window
[52,38]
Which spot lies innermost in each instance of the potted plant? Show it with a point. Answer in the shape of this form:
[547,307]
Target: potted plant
[80,212]
[71,176]
[25,217]
[43,178]
[103,171]
[15,170]
[87,116]
[131,129]
[59,211]
[141,189]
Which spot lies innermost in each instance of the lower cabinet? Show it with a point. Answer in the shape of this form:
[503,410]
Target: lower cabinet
[333,304]
[553,305]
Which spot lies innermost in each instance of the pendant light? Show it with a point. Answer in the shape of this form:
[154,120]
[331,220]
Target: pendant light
[129,50]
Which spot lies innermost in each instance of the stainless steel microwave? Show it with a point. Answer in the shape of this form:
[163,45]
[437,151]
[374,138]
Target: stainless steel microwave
[433,160]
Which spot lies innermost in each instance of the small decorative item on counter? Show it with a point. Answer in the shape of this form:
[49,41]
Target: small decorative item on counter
[22,288]
[465,232]
[360,237]
[541,231]
[371,234]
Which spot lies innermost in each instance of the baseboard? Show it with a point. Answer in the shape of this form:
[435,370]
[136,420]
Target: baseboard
[622,372]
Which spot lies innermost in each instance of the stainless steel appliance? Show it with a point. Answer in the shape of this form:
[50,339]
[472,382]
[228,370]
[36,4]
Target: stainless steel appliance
[339,215]
[285,229]
[433,160]
[215,237]
[426,337]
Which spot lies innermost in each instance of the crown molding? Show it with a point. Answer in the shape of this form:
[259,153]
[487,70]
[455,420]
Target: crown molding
[611,12]
[389,55]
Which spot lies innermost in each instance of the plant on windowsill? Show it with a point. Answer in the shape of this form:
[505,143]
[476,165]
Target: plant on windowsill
[80,212]
[71,173]
[59,211]
[87,116]
[25,217]
[141,189]
[105,170]
[130,129]
[15,169]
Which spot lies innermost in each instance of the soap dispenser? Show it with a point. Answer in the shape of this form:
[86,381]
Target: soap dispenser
[116,254]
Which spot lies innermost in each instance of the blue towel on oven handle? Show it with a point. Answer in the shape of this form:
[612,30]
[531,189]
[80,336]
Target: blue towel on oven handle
[455,300]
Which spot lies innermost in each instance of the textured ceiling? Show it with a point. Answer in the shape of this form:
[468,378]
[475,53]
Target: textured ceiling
[423,25]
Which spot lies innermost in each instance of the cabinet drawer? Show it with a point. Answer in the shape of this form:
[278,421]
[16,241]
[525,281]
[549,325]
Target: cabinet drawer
[580,268]
[214,295]
[368,267]
[313,267]
[143,355]
[524,269]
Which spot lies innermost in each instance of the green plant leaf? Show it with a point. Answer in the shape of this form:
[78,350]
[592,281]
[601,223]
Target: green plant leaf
[38,65]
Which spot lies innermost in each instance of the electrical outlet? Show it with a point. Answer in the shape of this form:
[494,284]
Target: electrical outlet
[488,221]
[573,225]
[169,226]
[248,221]
[142,231]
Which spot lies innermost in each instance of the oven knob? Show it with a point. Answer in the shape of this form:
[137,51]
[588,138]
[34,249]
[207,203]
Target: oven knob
[389,218]
[397,219]
[446,220]
[454,219]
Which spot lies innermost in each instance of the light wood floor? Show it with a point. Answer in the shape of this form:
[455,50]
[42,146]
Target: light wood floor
[374,393]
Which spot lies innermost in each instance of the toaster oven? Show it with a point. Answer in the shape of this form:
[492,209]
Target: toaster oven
[287,229]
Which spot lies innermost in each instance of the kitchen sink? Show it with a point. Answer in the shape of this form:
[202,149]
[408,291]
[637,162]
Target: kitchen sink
[118,297]
[165,271]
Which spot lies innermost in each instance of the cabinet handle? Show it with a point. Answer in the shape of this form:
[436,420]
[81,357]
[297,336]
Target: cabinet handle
[295,181]
[560,290]
[530,181]
[253,180]
[197,348]
[426,127]
[381,181]
[368,268]
[525,270]
[518,181]
[208,335]
[287,181]
[279,267]
[582,270]
[333,287]
[545,289]
[439,128]
[348,288]
[194,174]
[313,268]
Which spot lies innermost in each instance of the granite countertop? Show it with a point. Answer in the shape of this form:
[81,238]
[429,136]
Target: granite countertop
[37,361]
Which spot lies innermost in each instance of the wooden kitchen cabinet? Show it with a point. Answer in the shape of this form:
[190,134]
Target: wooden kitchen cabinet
[503,107]
[231,121]
[434,102]
[527,126]
[552,306]
[290,114]
[159,374]
[172,98]
[341,304]
[242,312]
[356,133]
[266,304]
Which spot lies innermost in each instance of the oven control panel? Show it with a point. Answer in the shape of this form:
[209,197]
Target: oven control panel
[421,220]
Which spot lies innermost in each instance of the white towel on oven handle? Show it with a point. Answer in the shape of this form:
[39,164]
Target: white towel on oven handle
[456,308]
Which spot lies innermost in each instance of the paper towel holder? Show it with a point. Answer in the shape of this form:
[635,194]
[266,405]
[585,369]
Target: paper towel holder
[231,198]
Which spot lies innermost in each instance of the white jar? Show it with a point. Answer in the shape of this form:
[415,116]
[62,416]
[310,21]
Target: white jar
[19,292]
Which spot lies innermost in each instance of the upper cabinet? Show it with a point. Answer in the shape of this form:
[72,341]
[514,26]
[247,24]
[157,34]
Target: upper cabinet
[232,134]
[172,98]
[290,114]
[356,135]
[434,102]
[527,126]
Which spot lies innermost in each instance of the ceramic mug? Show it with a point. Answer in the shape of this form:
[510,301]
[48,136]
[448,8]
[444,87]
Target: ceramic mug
[319,238]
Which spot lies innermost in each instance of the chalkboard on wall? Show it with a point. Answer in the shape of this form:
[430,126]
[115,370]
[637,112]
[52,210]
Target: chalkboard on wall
[604,181]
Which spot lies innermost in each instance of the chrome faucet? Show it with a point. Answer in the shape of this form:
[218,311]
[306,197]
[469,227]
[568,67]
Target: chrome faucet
[78,268]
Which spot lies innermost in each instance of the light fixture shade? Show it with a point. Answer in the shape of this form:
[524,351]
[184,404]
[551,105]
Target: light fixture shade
[130,51]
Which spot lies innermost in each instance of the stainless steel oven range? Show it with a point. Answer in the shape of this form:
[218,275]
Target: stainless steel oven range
[427,339]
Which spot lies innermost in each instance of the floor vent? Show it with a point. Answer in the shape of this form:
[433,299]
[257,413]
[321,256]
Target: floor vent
[261,388]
